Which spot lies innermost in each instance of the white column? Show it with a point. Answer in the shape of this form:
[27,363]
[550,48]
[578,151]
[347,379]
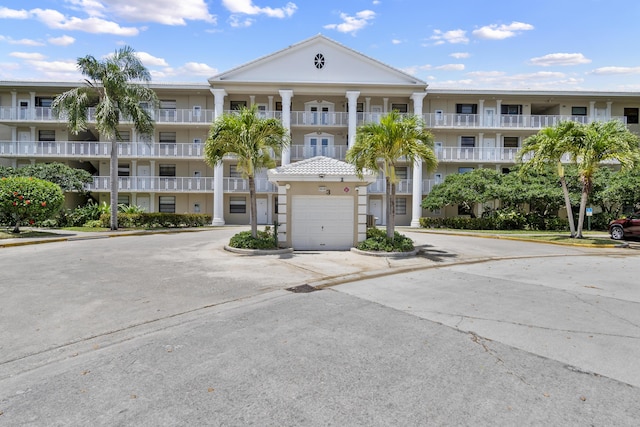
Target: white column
[385,105]
[32,105]
[498,111]
[252,100]
[286,96]
[270,105]
[352,98]
[416,192]
[14,104]
[481,111]
[609,110]
[592,110]
[218,169]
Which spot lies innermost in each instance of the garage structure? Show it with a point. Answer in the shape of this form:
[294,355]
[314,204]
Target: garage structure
[322,204]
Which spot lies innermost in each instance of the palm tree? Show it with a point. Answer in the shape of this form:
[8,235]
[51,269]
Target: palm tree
[253,141]
[549,145]
[113,86]
[395,137]
[598,142]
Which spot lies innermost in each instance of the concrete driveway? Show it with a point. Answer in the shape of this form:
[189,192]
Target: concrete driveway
[170,329]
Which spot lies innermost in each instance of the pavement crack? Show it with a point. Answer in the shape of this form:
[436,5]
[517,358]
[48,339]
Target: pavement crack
[481,341]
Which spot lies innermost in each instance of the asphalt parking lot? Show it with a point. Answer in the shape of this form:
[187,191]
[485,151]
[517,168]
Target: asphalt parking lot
[170,329]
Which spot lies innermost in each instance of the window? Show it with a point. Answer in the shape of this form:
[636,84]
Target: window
[467,108]
[167,104]
[43,101]
[236,105]
[123,199]
[167,170]
[123,169]
[46,135]
[464,170]
[400,108]
[402,172]
[401,206]
[359,107]
[197,111]
[632,115]
[278,106]
[511,142]
[233,171]
[275,204]
[238,205]
[167,204]
[167,137]
[467,141]
[511,109]
[124,136]
[196,207]
[578,111]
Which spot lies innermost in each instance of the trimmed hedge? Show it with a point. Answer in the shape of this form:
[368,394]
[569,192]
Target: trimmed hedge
[377,241]
[157,220]
[504,222]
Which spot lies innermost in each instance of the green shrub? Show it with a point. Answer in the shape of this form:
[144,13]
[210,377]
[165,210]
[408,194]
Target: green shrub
[377,241]
[157,220]
[26,200]
[244,240]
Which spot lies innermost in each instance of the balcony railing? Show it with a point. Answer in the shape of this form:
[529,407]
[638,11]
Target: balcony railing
[163,184]
[301,152]
[99,149]
[404,186]
[322,119]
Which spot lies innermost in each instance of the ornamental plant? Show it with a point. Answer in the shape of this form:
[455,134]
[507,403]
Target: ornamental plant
[27,200]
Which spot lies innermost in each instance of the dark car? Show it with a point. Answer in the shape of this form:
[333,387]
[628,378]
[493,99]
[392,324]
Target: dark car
[625,227]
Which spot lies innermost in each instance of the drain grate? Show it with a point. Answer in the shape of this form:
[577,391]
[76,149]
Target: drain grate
[302,289]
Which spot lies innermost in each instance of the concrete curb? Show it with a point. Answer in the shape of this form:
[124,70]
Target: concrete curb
[386,254]
[258,251]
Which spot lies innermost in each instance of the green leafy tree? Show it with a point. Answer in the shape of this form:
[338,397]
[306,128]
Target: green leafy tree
[465,189]
[616,191]
[68,178]
[599,142]
[396,139]
[549,146]
[28,200]
[116,87]
[252,140]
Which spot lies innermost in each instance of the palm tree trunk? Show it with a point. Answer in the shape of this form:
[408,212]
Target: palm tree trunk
[391,208]
[253,208]
[583,205]
[567,203]
[113,172]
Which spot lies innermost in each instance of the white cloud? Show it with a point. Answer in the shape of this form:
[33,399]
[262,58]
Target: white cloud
[352,24]
[5,12]
[62,40]
[167,12]
[54,19]
[198,69]
[396,41]
[247,7]
[558,59]
[23,42]
[236,22]
[452,36]
[450,67]
[150,60]
[500,32]
[28,55]
[459,55]
[604,71]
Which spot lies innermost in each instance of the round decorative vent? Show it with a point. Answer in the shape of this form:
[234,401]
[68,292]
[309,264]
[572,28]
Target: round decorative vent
[319,61]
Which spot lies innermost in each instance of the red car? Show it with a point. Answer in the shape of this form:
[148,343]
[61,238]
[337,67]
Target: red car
[625,227]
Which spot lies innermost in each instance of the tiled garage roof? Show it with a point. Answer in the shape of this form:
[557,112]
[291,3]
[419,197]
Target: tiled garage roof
[316,166]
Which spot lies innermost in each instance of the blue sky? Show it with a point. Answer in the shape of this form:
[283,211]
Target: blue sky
[468,44]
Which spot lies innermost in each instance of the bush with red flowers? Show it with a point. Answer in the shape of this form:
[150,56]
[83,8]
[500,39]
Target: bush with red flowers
[26,200]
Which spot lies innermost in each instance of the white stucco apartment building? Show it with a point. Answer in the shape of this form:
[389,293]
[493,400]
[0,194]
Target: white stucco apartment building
[321,91]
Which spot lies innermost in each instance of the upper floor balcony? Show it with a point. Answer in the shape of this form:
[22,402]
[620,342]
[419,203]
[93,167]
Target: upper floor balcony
[164,184]
[195,151]
[439,120]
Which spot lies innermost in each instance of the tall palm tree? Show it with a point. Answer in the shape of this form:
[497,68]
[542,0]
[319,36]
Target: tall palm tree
[252,140]
[598,142]
[549,145]
[113,86]
[387,142]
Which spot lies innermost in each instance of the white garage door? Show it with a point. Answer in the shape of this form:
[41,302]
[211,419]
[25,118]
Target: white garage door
[322,222]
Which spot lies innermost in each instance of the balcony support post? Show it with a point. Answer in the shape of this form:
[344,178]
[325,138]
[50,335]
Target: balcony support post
[352,99]
[416,193]
[286,96]
[218,170]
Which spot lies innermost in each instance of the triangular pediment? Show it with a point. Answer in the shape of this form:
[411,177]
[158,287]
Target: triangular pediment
[318,60]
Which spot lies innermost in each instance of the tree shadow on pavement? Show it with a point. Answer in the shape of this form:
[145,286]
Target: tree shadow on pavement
[435,255]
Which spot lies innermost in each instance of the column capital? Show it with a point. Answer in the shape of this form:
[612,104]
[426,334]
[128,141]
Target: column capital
[219,92]
[286,94]
[352,95]
[418,96]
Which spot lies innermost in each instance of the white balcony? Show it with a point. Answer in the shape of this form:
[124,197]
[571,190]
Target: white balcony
[404,186]
[301,152]
[163,184]
[475,154]
[98,149]
[45,114]
[503,121]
